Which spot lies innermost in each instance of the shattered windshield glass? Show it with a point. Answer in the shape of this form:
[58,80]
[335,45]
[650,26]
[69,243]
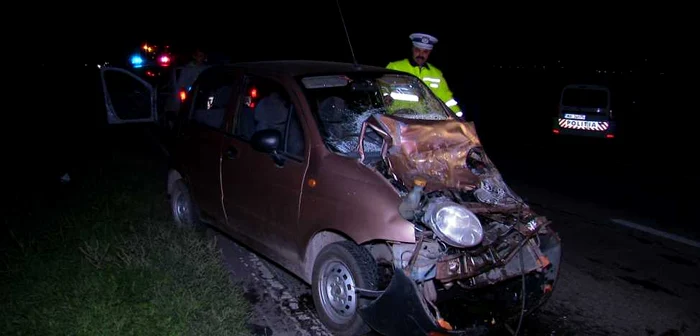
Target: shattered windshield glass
[342,103]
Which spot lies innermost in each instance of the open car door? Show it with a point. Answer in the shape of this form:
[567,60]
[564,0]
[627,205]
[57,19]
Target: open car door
[128,98]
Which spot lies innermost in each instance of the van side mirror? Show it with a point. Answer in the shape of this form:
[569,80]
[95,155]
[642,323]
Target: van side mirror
[266,141]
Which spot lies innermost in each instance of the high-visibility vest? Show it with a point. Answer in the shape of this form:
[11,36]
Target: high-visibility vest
[432,77]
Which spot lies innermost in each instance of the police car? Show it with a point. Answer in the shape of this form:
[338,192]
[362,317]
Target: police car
[145,89]
[151,58]
[585,110]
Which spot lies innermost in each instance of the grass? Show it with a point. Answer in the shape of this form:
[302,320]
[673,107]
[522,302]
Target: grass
[105,259]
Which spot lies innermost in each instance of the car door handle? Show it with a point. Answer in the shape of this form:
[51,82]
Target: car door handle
[231,152]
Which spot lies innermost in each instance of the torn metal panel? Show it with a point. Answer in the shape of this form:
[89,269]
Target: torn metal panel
[434,150]
[447,154]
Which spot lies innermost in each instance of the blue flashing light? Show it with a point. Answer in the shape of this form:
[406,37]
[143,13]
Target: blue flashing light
[136,60]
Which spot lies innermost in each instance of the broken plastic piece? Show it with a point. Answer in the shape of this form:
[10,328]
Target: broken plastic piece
[419,181]
[410,203]
[547,288]
[445,324]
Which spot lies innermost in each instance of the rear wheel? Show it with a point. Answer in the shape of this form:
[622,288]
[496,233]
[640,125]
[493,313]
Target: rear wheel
[183,208]
[338,270]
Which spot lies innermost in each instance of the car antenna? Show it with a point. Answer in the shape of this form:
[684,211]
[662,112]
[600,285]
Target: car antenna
[347,35]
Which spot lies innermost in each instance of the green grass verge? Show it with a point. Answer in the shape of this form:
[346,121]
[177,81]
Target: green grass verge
[105,259]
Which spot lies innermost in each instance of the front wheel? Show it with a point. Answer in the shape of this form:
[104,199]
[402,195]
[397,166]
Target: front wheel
[338,270]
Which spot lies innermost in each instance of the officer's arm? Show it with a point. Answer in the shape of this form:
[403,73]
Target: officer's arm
[445,94]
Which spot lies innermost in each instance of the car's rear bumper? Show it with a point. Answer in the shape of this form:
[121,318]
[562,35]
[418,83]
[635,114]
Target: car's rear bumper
[584,133]
[608,133]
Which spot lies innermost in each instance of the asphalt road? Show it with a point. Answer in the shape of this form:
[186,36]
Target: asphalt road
[614,281]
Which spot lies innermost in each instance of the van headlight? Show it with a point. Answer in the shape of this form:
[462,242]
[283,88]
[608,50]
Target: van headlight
[453,223]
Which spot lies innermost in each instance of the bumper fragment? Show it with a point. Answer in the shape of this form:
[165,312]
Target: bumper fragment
[401,310]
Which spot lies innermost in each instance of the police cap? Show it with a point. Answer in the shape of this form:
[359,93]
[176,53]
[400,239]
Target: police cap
[423,41]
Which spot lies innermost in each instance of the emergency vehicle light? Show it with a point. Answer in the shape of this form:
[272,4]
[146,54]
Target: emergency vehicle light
[164,60]
[136,60]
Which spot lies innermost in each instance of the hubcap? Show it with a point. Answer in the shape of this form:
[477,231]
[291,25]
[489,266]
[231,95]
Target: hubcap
[182,209]
[337,292]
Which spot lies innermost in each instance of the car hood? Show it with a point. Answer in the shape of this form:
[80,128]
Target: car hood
[447,153]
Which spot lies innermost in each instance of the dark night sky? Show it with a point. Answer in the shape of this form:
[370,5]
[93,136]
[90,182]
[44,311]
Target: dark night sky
[378,29]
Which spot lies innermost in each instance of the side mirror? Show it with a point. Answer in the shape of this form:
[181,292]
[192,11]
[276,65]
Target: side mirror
[266,141]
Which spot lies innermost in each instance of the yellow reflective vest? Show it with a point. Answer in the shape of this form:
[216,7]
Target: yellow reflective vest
[432,77]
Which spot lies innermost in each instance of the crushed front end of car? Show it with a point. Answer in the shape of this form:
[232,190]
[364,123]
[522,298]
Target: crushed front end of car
[482,257]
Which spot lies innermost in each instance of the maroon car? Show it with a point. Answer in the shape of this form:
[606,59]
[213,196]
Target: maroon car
[359,181]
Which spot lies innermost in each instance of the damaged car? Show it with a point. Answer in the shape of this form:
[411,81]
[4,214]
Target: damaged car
[360,181]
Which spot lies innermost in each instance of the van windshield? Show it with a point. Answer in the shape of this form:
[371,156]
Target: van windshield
[342,103]
[585,98]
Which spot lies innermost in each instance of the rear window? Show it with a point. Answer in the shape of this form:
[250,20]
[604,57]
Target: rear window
[585,98]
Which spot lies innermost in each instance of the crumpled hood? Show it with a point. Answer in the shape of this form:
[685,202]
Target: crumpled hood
[436,151]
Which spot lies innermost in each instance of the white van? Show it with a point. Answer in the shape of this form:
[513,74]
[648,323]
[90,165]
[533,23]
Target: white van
[585,110]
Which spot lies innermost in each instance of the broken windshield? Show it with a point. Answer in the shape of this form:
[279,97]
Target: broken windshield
[342,103]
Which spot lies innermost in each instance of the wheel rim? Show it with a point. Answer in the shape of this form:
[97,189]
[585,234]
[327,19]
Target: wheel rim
[182,208]
[337,292]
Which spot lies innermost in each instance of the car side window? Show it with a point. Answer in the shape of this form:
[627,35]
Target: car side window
[267,105]
[211,99]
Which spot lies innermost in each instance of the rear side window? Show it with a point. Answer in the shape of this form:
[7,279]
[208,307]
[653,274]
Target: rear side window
[213,94]
[266,104]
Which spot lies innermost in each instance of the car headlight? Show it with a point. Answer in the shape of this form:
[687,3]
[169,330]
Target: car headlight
[453,223]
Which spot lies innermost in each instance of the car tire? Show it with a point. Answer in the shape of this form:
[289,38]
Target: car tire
[184,210]
[339,268]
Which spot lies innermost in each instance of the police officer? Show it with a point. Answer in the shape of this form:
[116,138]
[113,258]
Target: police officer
[418,65]
[192,69]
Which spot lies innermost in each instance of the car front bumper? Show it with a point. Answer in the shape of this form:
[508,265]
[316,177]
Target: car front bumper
[402,310]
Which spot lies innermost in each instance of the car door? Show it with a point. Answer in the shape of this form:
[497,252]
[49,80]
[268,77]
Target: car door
[261,194]
[202,136]
[128,98]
